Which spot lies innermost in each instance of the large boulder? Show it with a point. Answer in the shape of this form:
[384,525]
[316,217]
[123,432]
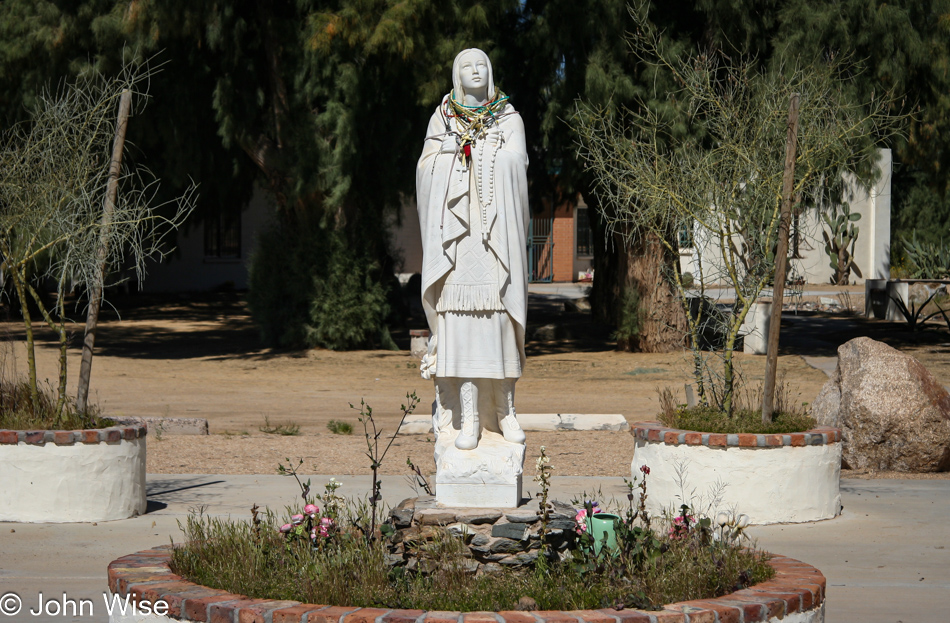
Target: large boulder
[893,413]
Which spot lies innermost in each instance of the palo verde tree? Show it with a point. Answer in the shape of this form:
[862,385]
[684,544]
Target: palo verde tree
[58,223]
[904,48]
[724,181]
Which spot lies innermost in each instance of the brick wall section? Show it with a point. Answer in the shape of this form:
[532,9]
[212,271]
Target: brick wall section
[796,587]
[654,431]
[69,437]
[563,248]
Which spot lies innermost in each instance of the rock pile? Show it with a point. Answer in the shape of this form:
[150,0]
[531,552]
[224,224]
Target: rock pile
[496,538]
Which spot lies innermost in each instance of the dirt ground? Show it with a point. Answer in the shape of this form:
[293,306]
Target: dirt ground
[200,356]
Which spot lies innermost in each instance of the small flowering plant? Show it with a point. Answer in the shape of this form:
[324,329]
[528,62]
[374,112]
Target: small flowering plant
[731,527]
[679,529]
[310,525]
[636,544]
[580,520]
[543,478]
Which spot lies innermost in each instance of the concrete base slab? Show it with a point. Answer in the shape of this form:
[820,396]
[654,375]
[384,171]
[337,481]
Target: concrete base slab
[489,475]
[589,421]
[474,495]
[421,424]
[168,425]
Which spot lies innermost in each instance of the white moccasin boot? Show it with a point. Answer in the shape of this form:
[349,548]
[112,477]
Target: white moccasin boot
[468,436]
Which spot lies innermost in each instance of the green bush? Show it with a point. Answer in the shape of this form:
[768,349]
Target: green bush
[308,287]
[630,324]
[339,428]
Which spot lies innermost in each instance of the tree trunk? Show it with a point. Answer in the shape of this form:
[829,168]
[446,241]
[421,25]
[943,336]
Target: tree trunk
[662,321]
[641,269]
[18,282]
[95,292]
[60,330]
[781,261]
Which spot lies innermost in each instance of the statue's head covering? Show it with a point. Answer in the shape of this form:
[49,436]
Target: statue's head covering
[457,74]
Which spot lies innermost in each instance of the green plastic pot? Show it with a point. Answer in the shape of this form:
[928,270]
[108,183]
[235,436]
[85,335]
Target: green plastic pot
[601,524]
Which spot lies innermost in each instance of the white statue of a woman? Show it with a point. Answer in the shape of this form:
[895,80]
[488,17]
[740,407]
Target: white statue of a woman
[471,188]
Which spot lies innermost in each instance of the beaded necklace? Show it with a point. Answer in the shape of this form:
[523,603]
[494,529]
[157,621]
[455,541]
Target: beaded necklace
[474,120]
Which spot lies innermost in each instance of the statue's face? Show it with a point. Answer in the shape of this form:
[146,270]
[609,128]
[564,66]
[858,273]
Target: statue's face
[473,72]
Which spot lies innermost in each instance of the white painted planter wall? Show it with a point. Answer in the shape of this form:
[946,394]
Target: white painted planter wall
[77,482]
[784,484]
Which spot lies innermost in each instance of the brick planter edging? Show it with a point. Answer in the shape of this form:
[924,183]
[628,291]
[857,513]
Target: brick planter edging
[652,431]
[146,575]
[68,437]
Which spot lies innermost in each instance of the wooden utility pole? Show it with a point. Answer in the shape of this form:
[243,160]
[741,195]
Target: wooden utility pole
[108,208]
[781,262]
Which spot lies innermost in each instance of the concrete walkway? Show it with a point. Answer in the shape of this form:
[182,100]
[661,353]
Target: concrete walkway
[887,558]
[825,364]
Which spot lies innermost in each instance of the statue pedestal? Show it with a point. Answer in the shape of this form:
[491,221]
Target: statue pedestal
[487,477]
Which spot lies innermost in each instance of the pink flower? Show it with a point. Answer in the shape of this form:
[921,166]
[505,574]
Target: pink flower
[311,509]
[326,524]
[286,528]
[580,525]
[313,534]
[645,470]
[580,520]
[296,520]
[681,526]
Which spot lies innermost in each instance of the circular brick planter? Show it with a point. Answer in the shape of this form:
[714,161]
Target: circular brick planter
[795,595]
[790,478]
[72,476]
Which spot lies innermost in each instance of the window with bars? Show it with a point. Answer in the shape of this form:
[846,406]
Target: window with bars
[684,237]
[223,236]
[584,235]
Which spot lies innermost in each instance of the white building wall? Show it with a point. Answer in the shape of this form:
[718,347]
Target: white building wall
[406,238]
[188,270]
[871,252]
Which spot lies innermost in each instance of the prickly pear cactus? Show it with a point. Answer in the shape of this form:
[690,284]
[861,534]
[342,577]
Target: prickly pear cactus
[840,238]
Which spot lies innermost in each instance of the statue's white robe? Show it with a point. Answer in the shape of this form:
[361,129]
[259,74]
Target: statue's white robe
[486,336]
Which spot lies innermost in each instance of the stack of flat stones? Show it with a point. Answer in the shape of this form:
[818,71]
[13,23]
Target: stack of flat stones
[495,538]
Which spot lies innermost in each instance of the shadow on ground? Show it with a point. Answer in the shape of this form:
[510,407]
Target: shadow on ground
[553,328]
[168,326]
[189,491]
[821,335]
[218,325]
